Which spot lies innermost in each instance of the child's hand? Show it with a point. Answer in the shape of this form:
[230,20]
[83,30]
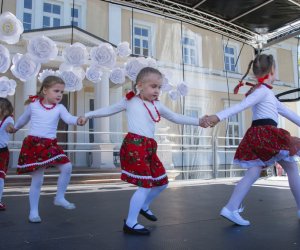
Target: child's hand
[81,121]
[209,121]
[10,129]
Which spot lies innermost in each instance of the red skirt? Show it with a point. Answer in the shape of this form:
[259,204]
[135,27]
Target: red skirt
[265,145]
[4,159]
[37,152]
[140,163]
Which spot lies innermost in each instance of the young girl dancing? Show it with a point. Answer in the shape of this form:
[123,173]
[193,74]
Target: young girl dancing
[39,149]
[264,143]
[139,161]
[6,123]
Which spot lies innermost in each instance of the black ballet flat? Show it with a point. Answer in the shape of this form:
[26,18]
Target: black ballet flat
[148,216]
[131,230]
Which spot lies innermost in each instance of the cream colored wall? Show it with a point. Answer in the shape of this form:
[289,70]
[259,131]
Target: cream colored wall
[285,65]
[10,6]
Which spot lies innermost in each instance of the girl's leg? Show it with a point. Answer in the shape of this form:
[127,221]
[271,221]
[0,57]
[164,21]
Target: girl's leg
[155,191]
[62,184]
[136,203]
[1,187]
[291,168]
[37,178]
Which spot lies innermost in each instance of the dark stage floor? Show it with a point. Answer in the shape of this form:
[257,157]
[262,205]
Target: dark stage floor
[188,219]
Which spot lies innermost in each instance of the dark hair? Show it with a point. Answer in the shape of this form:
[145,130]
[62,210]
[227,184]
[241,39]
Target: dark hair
[6,108]
[48,82]
[261,65]
[144,73]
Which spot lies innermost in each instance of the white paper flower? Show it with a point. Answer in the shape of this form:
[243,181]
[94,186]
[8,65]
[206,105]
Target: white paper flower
[151,62]
[94,73]
[7,86]
[10,28]
[166,87]
[182,88]
[103,55]
[73,79]
[47,72]
[117,76]
[42,49]
[75,54]
[133,67]
[4,59]
[24,67]
[123,49]
[174,95]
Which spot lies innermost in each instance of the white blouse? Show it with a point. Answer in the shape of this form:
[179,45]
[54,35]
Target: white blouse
[138,118]
[4,136]
[264,105]
[43,122]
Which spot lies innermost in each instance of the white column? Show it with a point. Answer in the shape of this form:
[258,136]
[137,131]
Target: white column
[29,88]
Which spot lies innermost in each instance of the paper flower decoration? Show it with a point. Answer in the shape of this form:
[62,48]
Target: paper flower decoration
[123,49]
[166,87]
[174,95]
[103,55]
[42,49]
[7,86]
[4,59]
[134,66]
[10,28]
[75,54]
[182,88]
[73,79]
[94,74]
[151,62]
[24,67]
[47,72]
[117,76]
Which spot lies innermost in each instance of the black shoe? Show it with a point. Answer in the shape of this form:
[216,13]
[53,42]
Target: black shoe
[131,230]
[148,216]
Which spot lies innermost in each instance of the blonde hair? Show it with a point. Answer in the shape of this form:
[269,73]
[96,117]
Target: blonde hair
[144,73]
[6,108]
[48,82]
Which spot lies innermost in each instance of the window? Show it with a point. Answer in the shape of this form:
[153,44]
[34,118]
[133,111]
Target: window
[74,16]
[51,15]
[192,130]
[229,58]
[27,15]
[233,130]
[189,51]
[141,40]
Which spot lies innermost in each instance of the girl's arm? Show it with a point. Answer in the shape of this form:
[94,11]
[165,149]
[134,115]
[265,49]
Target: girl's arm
[107,111]
[9,127]
[287,113]
[177,118]
[67,117]
[249,101]
[23,119]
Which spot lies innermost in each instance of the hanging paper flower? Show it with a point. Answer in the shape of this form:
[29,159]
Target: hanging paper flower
[166,87]
[73,79]
[174,95]
[182,88]
[123,49]
[24,67]
[7,86]
[4,59]
[42,49]
[151,62]
[103,55]
[117,76]
[75,54]
[134,66]
[47,72]
[10,28]
[94,73]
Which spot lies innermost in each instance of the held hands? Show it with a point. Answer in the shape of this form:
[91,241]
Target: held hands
[208,121]
[82,121]
[10,129]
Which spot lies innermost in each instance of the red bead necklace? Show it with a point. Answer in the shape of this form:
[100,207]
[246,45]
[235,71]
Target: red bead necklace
[41,102]
[158,114]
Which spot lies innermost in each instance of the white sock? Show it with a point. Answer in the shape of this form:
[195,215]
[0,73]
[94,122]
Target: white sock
[243,187]
[37,178]
[1,188]
[155,191]
[291,168]
[63,182]
[136,202]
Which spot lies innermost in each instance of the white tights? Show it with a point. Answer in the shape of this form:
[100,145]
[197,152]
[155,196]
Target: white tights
[253,173]
[142,198]
[37,178]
